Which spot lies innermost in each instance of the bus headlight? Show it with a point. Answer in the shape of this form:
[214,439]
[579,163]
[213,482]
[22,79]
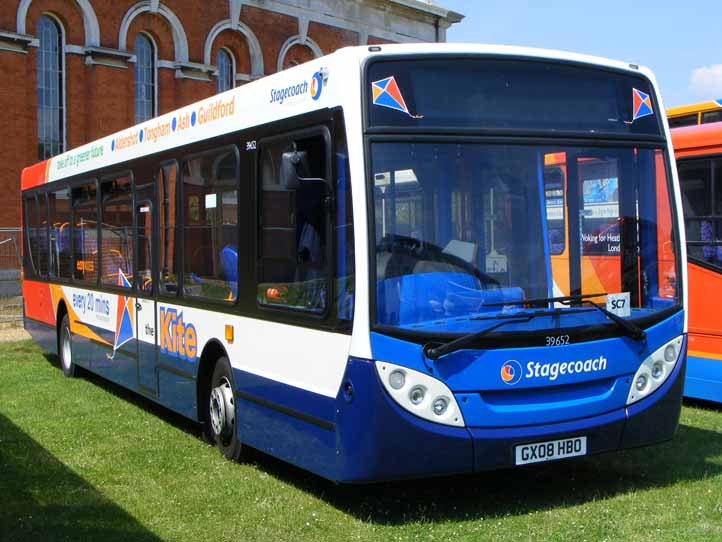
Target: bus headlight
[655,369]
[397,379]
[420,394]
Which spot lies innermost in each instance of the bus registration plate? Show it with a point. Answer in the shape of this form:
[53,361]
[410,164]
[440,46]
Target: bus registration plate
[550,450]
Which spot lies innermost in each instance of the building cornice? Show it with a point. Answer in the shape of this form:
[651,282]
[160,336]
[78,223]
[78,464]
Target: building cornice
[15,42]
[450,17]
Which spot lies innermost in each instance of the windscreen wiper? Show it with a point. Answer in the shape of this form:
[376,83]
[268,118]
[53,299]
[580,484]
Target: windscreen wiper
[435,352]
[630,329]
[565,299]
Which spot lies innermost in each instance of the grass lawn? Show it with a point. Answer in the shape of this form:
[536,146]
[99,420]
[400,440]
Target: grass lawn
[81,459]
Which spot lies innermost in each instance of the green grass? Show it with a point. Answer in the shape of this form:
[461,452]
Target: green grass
[81,459]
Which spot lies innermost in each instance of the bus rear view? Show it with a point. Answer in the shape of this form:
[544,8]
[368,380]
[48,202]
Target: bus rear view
[525,270]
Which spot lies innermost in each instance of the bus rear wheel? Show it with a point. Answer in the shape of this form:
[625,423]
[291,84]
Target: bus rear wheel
[65,348]
[221,415]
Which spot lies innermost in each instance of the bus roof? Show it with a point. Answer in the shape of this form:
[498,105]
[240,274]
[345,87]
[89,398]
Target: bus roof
[698,107]
[698,139]
[325,82]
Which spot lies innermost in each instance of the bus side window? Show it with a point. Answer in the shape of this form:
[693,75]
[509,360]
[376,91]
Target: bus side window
[700,181]
[32,234]
[167,213]
[61,261]
[210,229]
[293,214]
[144,210]
[85,232]
[116,232]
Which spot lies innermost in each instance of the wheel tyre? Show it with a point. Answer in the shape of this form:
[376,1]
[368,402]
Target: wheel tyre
[65,348]
[220,419]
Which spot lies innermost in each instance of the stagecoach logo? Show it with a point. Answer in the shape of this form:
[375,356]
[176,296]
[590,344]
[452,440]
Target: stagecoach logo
[511,372]
[294,92]
[316,85]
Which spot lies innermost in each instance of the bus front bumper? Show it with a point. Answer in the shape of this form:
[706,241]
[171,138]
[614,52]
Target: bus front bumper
[378,440]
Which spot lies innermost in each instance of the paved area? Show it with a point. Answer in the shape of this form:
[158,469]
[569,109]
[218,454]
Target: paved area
[15,333]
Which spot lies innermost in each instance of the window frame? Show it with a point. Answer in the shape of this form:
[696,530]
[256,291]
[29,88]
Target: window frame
[153,77]
[232,66]
[53,188]
[562,173]
[324,129]
[680,121]
[42,194]
[61,113]
[101,212]
[526,337]
[180,259]
[704,115]
[138,291]
[73,185]
[32,269]
[709,159]
[158,292]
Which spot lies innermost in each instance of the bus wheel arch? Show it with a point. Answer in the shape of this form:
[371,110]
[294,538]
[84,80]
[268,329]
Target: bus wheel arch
[216,400]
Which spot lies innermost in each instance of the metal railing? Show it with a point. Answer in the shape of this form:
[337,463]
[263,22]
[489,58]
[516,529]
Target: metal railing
[11,302]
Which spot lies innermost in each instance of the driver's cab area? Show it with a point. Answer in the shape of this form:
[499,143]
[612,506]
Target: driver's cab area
[457,231]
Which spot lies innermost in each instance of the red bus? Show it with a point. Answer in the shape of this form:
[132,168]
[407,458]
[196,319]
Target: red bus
[698,150]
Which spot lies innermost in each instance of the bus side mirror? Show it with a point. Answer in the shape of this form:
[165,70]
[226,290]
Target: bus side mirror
[291,163]
[294,171]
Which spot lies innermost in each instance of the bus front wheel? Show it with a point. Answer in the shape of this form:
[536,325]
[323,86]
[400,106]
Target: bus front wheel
[66,348]
[221,418]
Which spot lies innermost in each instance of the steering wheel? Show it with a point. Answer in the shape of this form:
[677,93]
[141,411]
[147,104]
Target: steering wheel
[406,252]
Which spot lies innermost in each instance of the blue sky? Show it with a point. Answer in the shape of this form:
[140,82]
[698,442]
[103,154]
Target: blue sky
[680,41]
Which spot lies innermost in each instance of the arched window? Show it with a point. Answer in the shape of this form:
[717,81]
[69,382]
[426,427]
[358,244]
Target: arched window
[144,78]
[226,72]
[50,88]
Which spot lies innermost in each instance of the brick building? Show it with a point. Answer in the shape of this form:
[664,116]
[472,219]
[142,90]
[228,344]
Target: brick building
[76,70]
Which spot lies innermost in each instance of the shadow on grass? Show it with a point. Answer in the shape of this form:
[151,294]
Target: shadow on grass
[703,404]
[44,500]
[134,398]
[517,491]
[491,494]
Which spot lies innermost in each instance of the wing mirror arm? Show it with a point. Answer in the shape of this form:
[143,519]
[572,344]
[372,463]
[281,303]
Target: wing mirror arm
[293,165]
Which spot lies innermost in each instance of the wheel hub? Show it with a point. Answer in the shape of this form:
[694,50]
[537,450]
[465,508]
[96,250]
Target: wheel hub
[222,409]
[67,351]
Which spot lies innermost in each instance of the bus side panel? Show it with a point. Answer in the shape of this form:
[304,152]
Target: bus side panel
[178,393]
[118,366]
[39,304]
[295,425]
[704,368]
[39,314]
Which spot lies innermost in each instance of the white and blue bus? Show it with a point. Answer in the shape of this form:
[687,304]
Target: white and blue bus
[385,263]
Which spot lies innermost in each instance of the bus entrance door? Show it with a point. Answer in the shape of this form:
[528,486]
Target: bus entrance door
[145,307]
